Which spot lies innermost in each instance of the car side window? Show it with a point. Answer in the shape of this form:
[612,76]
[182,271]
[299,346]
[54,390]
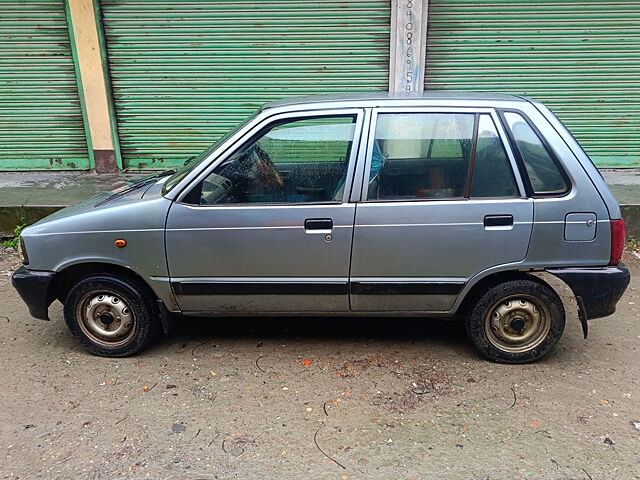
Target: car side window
[544,174]
[296,161]
[420,155]
[492,172]
[432,156]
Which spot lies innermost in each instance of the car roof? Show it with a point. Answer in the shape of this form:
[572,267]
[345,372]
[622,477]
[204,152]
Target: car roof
[366,99]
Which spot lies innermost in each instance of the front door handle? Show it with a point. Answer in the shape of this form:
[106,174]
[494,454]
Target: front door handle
[318,225]
[498,221]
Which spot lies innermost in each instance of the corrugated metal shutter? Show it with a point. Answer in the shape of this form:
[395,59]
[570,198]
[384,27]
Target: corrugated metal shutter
[41,124]
[185,72]
[582,59]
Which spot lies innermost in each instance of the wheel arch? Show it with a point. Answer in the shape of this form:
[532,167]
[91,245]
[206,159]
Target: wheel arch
[481,285]
[71,274]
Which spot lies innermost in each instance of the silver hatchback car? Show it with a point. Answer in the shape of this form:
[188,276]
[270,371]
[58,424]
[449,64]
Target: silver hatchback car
[378,205]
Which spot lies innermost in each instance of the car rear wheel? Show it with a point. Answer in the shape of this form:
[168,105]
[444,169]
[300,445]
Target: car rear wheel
[111,316]
[518,321]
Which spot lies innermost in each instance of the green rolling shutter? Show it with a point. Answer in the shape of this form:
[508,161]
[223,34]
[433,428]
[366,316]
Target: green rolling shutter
[185,72]
[582,59]
[41,124]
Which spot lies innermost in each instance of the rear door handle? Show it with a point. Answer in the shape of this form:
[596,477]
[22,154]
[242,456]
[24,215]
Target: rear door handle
[318,225]
[498,221]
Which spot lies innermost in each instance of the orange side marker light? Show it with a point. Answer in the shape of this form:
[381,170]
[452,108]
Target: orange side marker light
[120,243]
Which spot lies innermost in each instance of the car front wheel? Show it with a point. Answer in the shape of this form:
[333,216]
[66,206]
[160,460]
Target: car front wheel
[518,321]
[111,316]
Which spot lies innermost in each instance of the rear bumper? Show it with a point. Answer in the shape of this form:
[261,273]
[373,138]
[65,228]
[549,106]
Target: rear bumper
[599,289]
[33,287]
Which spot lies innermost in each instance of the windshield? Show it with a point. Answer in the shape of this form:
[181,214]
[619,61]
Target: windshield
[194,161]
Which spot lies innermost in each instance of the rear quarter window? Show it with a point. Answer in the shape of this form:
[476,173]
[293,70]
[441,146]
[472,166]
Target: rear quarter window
[543,171]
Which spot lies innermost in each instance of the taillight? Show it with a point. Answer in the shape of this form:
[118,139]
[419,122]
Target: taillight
[617,241]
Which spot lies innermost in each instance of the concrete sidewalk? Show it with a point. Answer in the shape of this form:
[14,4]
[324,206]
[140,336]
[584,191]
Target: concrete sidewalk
[624,184]
[28,196]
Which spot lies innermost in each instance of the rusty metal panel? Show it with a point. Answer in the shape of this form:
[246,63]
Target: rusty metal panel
[41,125]
[581,58]
[185,72]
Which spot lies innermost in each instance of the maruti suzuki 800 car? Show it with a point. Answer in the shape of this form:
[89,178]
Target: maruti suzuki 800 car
[431,205]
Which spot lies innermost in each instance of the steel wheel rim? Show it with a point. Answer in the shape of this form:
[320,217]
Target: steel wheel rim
[517,323]
[106,318]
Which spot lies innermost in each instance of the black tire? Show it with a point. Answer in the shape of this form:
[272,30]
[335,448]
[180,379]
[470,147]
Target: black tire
[518,321]
[127,308]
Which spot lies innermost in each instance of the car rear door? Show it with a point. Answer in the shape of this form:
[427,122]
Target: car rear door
[440,203]
[270,229]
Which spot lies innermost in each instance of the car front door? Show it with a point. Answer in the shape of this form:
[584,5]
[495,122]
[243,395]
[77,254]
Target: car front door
[268,228]
[440,204]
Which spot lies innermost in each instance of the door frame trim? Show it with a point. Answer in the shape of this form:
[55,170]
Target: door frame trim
[369,131]
[250,131]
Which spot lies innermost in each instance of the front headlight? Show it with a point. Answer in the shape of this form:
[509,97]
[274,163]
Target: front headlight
[22,251]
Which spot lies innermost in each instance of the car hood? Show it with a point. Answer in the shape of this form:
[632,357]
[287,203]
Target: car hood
[96,207]
[96,202]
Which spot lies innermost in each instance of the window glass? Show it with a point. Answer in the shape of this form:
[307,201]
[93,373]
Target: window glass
[294,162]
[542,170]
[193,162]
[420,156]
[492,172]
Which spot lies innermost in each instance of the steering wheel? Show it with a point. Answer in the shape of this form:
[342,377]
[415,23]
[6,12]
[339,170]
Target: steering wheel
[269,173]
[214,189]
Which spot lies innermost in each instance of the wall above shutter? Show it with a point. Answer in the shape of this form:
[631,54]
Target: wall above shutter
[582,59]
[185,72]
[41,125]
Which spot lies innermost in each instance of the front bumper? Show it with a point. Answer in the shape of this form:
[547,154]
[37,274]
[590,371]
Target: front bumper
[33,287]
[598,289]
